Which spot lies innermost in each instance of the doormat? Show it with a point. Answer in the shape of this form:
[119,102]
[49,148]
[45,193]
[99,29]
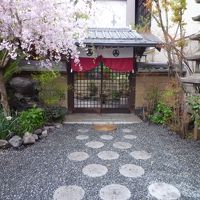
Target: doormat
[104,127]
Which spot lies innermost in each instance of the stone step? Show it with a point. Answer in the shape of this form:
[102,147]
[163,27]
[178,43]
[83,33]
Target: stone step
[192,79]
[194,57]
[197,18]
[195,36]
[189,88]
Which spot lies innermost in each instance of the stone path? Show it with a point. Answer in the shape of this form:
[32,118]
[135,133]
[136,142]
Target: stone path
[135,162]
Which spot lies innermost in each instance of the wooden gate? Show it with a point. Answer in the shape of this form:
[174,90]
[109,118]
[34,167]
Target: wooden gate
[102,90]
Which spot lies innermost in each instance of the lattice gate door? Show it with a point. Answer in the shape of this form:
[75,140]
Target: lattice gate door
[101,90]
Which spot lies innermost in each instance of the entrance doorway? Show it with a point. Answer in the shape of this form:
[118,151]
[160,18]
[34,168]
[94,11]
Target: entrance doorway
[102,90]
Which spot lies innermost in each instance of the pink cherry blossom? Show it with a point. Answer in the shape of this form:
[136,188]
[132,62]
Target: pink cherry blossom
[51,27]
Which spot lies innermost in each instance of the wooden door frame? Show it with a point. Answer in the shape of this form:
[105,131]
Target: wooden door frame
[131,99]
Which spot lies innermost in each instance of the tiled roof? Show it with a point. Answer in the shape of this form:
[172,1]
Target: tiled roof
[119,37]
[154,67]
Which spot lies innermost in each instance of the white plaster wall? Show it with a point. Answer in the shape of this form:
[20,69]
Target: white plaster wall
[130,12]
[106,10]
[193,9]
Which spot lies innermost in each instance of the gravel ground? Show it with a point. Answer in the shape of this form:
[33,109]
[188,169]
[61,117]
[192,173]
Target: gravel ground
[34,173]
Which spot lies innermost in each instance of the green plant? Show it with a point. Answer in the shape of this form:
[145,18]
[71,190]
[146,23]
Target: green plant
[12,68]
[31,119]
[50,86]
[162,114]
[7,125]
[55,113]
[93,89]
[194,103]
[152,97]
[116,94]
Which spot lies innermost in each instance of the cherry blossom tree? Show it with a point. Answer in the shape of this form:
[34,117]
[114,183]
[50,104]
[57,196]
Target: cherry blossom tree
[40,29]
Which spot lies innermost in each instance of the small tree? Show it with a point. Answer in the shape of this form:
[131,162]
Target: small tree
[40,29]
[167,13]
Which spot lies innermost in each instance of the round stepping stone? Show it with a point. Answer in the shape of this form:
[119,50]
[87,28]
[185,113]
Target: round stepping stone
[83,130]
[108,155]
[82,137]
[71,192]
[106,137]
[132,171]
[115,192]
[164,191]
[95,170]
[78,156]
[126,130]
[130,137]
[94,144]
[122,145]
[140,155]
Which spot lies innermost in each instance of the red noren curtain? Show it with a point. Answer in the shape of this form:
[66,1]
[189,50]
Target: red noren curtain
[119,64]
[115,64]
[85,64]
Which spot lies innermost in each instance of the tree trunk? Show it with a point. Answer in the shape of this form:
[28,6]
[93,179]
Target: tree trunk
[4,96]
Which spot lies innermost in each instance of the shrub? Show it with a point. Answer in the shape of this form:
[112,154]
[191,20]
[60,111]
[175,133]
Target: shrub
[55,113]
[194,103]
[31,119]
[152,97]
[162,114]
[51,89]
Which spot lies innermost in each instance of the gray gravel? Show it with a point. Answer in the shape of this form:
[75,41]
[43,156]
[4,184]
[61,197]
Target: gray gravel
[34,173]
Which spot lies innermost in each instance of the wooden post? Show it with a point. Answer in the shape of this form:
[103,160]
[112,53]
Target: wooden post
[70,82]
[132,86]
[196,132]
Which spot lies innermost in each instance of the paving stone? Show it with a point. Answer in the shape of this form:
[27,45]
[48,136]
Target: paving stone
[94,144]
[122,145]
[132,171]
[78,156]
[72,192]
[164,191]
[83,130]
[127,130]
[108,155]
[130,137]
[82,137]
[140,155]
[106,137]
[95,170]
[115,192]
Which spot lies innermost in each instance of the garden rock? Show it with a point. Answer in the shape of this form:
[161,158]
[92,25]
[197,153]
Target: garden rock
[22,85]
[28,138]
[3,144]
[35,136]
[44,134]
[38,131]
[15,141]
[48,128]
[58,125]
